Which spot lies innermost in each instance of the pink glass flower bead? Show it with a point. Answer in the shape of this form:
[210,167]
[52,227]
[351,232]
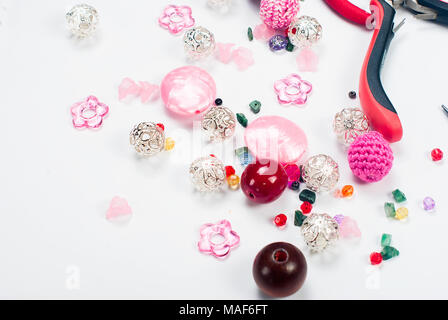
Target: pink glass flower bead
[118,208]
[217,239]
[176,18]
[145,90]
[348,228]
[89,113]
[276,138]
[188,91]
[292,90]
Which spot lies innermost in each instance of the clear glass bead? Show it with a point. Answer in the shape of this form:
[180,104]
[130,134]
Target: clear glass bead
[349,124]
[320,231]
[199,43]
[147,138]
[82,20]
[320,173]
[219,123]
[208,173]
[304,31]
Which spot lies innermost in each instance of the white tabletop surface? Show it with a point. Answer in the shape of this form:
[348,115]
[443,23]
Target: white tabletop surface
[56,182]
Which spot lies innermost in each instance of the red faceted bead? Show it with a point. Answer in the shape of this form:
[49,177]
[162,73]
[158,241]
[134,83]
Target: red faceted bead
[229,171]
[263,183]
[306,207]
[280,220]
[161,126]
[376,258]
[436,154]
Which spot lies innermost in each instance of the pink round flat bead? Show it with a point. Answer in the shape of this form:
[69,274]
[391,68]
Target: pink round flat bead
[188,91]
[276,138]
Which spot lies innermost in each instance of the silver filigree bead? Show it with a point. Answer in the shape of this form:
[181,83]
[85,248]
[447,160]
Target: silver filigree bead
[199,43]
[320,173]
[147,138]
[208,173]
[349,124]
[82,20]
[320,231]
[219,123]
[304,31]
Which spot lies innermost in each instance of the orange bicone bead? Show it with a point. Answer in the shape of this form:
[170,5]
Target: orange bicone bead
[347,191]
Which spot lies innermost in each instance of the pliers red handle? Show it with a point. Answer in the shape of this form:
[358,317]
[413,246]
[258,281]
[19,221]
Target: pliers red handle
[374,101]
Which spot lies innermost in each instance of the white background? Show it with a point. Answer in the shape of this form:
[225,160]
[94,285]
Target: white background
[56,182]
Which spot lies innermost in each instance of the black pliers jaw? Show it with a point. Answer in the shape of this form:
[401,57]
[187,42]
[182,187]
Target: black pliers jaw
[434,10]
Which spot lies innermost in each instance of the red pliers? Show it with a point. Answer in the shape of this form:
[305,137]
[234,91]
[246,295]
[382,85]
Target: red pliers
[374,101]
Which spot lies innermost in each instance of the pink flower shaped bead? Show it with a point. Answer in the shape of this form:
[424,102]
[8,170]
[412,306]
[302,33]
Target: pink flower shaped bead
[89,113]
[292,90]
[176,18]
[217,239]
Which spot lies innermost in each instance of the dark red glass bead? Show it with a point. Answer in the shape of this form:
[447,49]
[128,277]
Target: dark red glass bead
[436,154]
[263,183]
[279,269]
[306,207]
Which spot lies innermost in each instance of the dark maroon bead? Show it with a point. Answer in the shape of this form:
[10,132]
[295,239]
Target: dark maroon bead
[279,269]
[263,183]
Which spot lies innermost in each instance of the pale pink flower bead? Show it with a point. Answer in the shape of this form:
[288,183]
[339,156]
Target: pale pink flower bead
[243,58]
[89,113]
[176,18]
[292,90]
[118,208]
[217,239]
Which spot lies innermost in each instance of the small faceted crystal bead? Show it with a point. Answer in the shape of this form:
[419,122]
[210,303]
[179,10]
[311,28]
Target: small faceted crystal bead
[429,204]
[250,34]
[308,196]
[386,240]
[169,144]
[242,119]
[299,217]
[295,185]
[306,207]
[244,156]
[401,213]
[229,171]
[389,209]
[399,196]
[255,106]
[436,154]
[233,181]
[376,258]
[347,191]
[389,252]
[280,220]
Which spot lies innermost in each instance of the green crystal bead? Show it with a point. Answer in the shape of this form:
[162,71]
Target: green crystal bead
[255,106]
[242,119]
[290,47]
[389,209]
[386,240]
[250,34]
[389,252]
[399,196]
[299,217]
[307,195]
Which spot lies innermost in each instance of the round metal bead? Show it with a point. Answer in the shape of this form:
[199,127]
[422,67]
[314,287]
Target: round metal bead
[199,42]
[82,20]
[320,173]
[219,123]
[320,231]
[304,31]
[147,138]
[208,173]
[349,124]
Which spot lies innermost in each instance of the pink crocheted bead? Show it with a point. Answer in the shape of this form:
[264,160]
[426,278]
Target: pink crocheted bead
[370,157]
[278,14]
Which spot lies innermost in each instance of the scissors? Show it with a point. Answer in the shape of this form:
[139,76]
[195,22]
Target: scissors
[374,100]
